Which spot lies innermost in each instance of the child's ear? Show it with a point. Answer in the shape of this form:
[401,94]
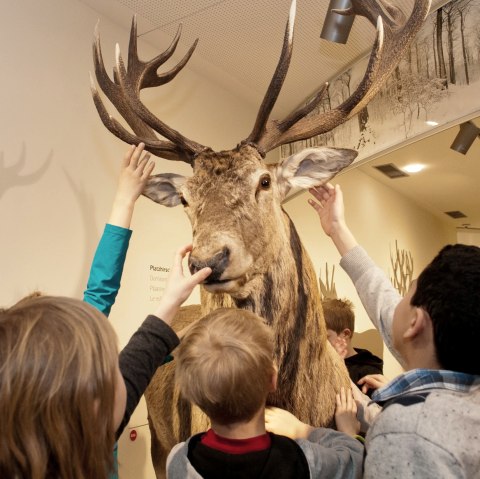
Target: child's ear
[418,324]
[346,333]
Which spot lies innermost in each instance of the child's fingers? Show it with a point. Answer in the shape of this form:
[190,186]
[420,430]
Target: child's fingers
[147,169]
[317,193]
[350,401]
[128,155]
[179,255]
[201,275]
[137,154]
[316,206]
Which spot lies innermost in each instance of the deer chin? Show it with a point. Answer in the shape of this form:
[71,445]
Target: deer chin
[223,285]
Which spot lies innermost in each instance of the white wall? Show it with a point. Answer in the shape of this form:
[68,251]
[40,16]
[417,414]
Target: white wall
[377,216]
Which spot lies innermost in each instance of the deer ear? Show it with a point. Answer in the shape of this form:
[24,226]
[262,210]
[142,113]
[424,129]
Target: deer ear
[164,188]
[312,167]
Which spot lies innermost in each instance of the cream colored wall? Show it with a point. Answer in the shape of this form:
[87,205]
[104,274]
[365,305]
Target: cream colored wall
[468,236]
[50,225]
[378,216]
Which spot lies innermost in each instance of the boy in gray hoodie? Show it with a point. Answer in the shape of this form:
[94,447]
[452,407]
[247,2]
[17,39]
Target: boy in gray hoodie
[430,422]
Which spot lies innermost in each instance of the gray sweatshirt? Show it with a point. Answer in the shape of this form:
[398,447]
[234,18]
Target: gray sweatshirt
[438,437]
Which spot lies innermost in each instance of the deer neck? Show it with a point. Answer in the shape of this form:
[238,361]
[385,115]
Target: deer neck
[286,294]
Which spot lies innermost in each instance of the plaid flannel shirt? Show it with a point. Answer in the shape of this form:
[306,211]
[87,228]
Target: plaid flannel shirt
[421,380]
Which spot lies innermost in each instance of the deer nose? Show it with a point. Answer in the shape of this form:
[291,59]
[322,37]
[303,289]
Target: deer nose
[218,262]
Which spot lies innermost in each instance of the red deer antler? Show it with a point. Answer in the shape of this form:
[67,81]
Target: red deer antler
[124,93]
[394,33]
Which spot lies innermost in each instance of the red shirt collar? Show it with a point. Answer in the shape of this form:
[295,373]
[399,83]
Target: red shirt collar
[236,446]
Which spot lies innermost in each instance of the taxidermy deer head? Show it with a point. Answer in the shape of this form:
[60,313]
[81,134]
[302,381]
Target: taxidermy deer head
[233,199]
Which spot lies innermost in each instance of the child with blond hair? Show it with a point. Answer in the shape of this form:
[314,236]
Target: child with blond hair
[225,366]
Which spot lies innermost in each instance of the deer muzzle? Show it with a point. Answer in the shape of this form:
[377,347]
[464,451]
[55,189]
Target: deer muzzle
[217,263]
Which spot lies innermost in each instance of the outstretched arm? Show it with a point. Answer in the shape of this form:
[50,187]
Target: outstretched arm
[375,290]
[107,266]
[155,339]
[135,172]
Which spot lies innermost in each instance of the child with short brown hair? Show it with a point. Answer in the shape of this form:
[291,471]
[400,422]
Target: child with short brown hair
[340,321]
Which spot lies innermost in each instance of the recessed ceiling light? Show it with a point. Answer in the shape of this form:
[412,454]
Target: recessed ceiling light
[413,168]
[431,123]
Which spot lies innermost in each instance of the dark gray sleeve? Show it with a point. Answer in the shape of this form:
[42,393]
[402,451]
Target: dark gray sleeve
[141,357]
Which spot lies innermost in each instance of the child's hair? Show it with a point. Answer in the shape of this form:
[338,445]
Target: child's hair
[225,365]
[339,315]
[448,289]
[58,360]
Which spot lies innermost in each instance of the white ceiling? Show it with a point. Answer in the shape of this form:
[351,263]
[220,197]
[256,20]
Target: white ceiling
[239,45]
[449,182]
[240,41]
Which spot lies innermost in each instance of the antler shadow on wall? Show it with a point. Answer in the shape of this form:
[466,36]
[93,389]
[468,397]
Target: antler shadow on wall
[90,233]
[10,176]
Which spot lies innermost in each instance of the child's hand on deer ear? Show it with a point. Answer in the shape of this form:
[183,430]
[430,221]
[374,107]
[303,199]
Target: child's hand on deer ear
[284,423]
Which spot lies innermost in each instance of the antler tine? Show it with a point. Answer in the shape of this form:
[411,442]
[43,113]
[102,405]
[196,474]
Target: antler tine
[114,94]
[144,74]
[298,114]
[124,94]
[132,96]
[277,80]
[394,35]
[163,149]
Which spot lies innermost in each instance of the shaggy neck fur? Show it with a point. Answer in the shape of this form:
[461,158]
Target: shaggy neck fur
[287,296]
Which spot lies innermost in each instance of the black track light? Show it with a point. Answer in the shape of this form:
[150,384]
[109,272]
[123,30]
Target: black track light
[336,27]
[465,137]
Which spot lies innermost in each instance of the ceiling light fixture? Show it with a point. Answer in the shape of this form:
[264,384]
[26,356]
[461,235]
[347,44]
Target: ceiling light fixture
[413,168]
[465,137]
[431,123]
[336,27]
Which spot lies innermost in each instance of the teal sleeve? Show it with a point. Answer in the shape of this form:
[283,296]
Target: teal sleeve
[107,268]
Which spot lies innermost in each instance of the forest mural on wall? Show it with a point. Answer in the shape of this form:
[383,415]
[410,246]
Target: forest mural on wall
[438,79]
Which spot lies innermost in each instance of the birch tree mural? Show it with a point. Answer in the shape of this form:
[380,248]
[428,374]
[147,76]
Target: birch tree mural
[438,79]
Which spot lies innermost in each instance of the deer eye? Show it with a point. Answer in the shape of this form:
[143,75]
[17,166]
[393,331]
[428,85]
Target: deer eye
[183,201]
[265,182]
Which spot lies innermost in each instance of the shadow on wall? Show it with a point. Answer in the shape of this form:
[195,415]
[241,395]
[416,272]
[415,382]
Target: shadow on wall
[90,233]
[11,176]
[371,340]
